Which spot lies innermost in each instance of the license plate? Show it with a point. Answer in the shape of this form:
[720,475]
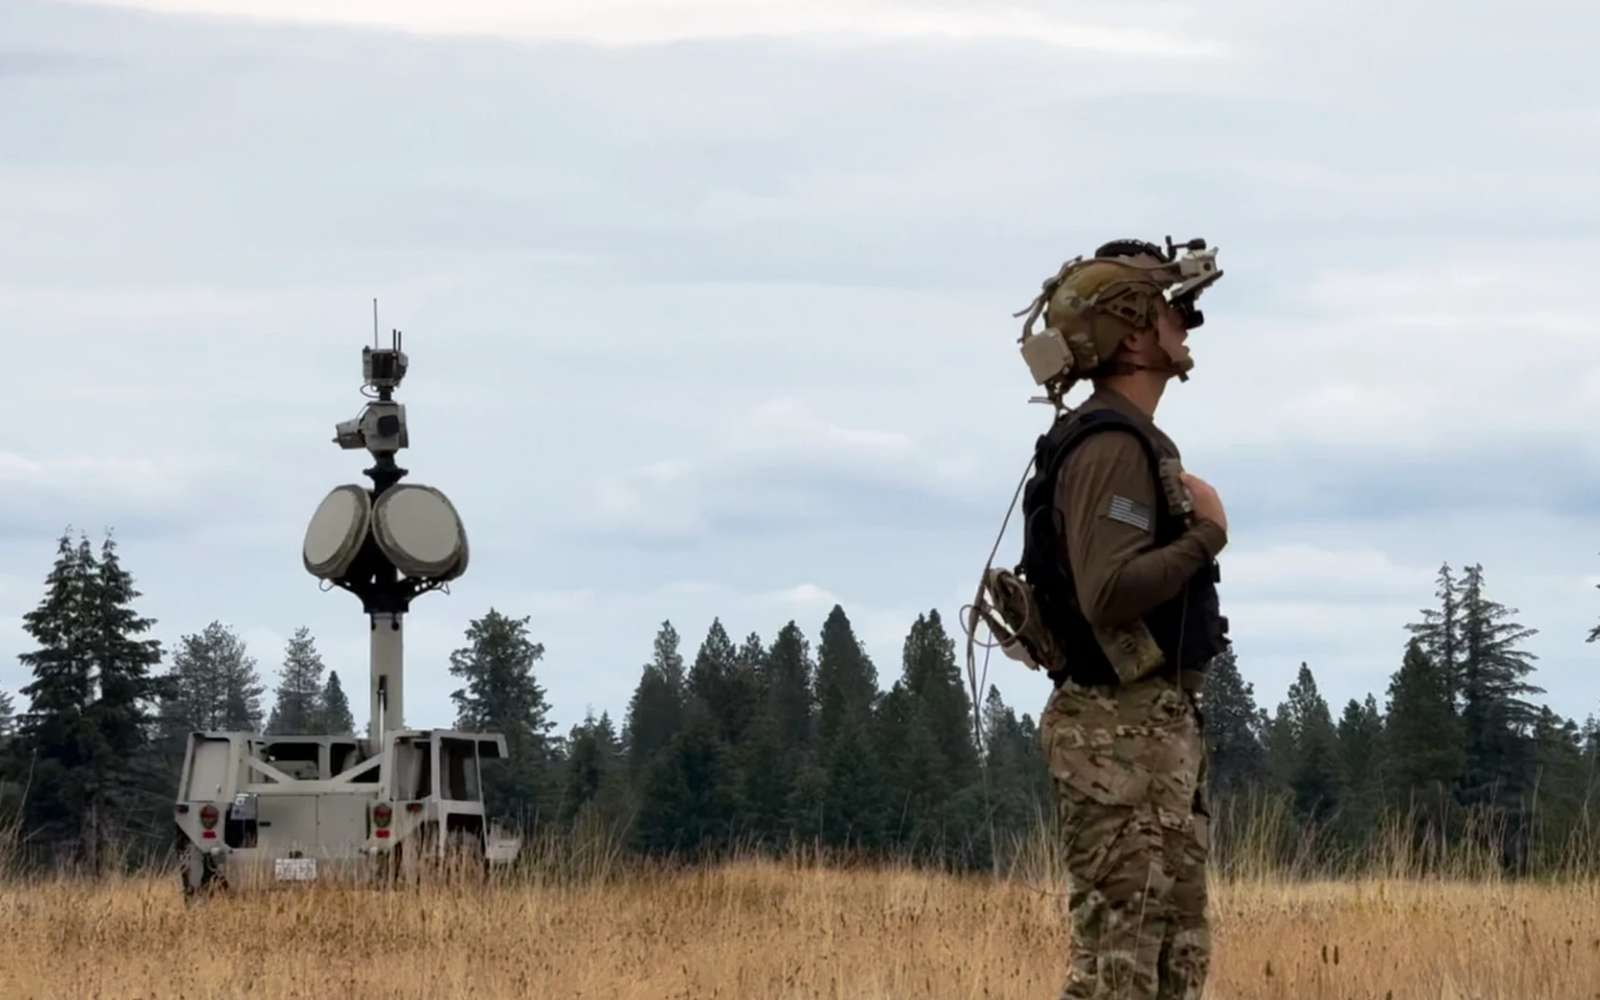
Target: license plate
[296,869]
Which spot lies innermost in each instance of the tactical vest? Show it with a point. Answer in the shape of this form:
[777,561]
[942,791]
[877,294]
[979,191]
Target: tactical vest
[1189,628]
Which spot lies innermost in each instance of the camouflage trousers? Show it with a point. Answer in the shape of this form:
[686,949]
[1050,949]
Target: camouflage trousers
[1128,767]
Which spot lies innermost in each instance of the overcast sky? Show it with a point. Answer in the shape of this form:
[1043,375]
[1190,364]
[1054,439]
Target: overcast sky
[708,307]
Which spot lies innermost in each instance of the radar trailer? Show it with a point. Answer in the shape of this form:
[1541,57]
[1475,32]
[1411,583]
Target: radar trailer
[258,809]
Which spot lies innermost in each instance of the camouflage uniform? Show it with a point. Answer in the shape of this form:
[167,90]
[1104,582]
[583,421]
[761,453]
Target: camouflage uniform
[1119,605]
[1128,767]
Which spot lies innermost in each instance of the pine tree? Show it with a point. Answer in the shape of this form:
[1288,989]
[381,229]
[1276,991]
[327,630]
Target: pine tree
[746,688]
[713,666]
[655,712]
[668,660]
[1497,722]
[789,699]
[768,784]
[502,695]
[1423,749]
[916,778]
[1360,749]
[87,729]
[1315,781]
[299,687]
[1280,749]
[242,691]
[855,814]
[125,777]
[122,661]
[1042,784]
[933,680]
[213,685]
[55,741]
[1563,785]
[687,805]
[1590,744]
[847,681]
[333,708]
[999,723]
[1360,744]
[1237,761]
[1439,633]
[773,757]
[723,685]
[1014,763]
[595,775]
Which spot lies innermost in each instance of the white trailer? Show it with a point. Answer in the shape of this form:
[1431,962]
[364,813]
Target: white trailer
[252,807]
[256,809]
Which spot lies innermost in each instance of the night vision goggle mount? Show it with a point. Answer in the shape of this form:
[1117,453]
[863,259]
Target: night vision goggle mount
[1180,272]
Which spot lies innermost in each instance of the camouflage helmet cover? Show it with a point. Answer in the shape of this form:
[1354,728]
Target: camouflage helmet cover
[1092,304]
[1098,305]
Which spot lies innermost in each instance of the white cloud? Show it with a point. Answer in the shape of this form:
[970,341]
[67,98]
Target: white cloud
[804,597]
[1423,359]
[635,22]
[1305,570]
[559,603]
[793,429]
[140,477]
[776,459]
[659,500]
[91,493]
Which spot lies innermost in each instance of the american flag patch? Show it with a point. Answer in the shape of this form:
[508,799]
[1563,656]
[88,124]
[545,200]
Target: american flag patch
[1128,512]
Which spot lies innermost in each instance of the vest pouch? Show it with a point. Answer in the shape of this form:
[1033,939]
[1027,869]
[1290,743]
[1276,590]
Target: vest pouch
[1131,650]
[1008,606]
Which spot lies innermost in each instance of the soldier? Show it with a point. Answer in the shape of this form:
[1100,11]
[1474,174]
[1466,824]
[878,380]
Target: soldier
[1119,556]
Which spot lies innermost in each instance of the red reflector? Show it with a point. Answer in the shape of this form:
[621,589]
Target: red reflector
[382,835]
[209,835]
[413,807]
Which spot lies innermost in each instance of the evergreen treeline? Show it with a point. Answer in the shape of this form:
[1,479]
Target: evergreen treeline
[1455,753]
[755,747]
[758,745]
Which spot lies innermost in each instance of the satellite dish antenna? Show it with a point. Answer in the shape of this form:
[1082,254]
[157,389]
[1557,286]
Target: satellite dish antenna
[419,530]
[336,532]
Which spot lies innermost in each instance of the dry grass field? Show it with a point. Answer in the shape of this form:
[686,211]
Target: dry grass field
[766,929]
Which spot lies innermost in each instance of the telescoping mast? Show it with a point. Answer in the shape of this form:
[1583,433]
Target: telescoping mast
[389,544]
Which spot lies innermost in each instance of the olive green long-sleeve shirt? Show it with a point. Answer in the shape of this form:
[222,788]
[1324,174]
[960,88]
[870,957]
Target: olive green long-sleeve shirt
[1107,499]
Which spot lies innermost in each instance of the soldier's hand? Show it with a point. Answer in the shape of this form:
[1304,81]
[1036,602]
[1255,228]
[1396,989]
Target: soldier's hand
[1207,505]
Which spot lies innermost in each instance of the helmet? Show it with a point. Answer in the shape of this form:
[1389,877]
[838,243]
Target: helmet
[1092,304]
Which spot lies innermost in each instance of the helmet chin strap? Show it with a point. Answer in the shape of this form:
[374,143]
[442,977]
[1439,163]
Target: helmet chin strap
[1124,367]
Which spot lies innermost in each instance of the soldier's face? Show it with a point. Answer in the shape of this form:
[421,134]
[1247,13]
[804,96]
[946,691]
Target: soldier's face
[1172,335]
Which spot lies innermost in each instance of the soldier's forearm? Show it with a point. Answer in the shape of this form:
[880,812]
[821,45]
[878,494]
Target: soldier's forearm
[1131,589]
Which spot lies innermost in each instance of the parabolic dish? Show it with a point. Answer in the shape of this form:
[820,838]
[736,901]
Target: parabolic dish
[336,532]
[419,530]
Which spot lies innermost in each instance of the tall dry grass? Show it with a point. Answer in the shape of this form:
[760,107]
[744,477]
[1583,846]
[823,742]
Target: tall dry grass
[578,918]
